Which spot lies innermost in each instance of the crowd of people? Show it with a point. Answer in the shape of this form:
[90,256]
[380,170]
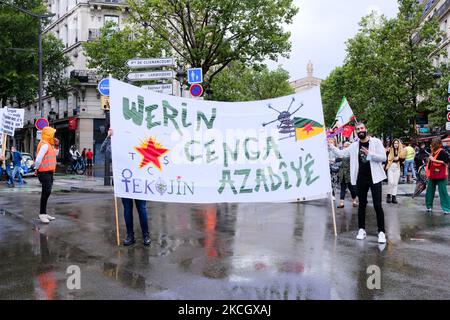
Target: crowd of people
[368,163]
[10,164]
[359,166]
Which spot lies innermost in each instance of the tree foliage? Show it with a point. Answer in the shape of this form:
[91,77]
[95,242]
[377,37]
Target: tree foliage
[210,34]
[241,83]
[109,53]
[19,55]
[387,75]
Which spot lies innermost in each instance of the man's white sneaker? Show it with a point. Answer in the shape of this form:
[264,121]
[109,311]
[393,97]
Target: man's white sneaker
[49,217]
[361,234]
[43,218]
[381,237]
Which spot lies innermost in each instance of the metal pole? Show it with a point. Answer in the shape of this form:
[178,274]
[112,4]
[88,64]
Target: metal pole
[107,177]
[40,67]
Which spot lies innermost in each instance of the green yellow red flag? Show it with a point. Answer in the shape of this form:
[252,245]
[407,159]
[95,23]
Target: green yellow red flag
[307,128]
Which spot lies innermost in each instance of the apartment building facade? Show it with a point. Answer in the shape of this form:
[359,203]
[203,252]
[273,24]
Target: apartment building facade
[79,119]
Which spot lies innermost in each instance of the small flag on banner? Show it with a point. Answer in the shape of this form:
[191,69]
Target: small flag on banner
[307,128]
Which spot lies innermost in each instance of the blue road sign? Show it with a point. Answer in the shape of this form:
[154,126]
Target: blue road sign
[195,75]
[103,87]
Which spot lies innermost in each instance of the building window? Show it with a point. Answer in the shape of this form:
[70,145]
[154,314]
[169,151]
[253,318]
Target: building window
[113,19]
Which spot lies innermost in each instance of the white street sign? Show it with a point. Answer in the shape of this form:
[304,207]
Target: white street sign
[39,135]
[448,108]
[166,88]
[150,63]
[152,75]
[447,126]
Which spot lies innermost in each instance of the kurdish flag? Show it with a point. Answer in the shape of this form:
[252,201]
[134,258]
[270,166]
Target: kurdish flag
[344,114]
[307,128]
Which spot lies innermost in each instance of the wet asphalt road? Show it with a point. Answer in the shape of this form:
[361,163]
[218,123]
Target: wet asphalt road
[225,251]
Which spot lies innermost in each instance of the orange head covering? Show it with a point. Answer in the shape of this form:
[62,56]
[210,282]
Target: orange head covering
[48,135]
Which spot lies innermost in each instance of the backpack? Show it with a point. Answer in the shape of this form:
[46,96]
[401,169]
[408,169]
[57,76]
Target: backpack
[436,171]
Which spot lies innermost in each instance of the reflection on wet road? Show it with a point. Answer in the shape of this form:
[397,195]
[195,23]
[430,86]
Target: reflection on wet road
[224,251]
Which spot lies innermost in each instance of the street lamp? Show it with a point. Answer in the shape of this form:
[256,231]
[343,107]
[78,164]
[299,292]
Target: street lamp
[181,74]
[40,17]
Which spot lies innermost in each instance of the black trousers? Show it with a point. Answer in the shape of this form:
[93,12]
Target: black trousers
[344,186]
[362,188]
[46,179]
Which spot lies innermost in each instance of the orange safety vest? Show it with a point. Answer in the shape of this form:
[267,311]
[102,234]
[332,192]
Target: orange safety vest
[49,161]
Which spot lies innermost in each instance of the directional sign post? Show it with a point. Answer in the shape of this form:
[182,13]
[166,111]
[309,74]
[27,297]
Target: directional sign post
[103,87]
[196,90]
[138,63]
[195,75]
[166,88]
[150,75]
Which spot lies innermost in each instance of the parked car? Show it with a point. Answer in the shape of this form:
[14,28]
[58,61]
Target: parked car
[27,164]
[27,167]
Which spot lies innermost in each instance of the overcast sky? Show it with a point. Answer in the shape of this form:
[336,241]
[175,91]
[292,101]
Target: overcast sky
[320,30]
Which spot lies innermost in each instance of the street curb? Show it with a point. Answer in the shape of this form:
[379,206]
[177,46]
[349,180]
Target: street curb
[89,190]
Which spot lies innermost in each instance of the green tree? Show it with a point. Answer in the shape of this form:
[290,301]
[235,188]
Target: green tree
[241,83]
[19,58]
[388,71]
[109,53]
[54,64]
[210,34]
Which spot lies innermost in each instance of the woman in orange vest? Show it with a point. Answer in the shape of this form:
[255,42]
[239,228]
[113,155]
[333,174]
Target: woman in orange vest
[45,165]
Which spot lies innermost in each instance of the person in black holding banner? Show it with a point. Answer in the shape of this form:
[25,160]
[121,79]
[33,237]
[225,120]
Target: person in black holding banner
[128,206]
[366,172]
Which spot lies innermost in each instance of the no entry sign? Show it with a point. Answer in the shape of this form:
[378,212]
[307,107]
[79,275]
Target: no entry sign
[196,90]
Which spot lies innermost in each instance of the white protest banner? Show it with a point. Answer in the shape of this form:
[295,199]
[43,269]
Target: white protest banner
[11,119]
[172,149]
[8,123]
[1,119]
[16,115]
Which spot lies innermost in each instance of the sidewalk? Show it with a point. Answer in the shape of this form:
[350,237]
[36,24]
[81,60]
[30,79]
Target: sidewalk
[63,183]
[406,190]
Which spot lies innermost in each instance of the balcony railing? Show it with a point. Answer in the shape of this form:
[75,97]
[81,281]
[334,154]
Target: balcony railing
[85,76]
[442,9]
[108,1]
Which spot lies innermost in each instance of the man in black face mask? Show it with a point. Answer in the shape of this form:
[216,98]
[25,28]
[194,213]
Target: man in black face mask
[366,172]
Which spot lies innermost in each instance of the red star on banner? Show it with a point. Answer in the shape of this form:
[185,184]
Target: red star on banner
[308,128]
[151,152]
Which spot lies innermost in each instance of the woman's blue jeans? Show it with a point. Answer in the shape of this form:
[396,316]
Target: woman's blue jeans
[128,215]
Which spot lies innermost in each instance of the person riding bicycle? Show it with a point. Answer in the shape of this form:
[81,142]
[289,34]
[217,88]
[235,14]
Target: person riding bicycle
[421,156]
[75,155]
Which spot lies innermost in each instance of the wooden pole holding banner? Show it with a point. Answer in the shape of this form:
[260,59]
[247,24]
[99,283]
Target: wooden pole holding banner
[117,221]
[333,210]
